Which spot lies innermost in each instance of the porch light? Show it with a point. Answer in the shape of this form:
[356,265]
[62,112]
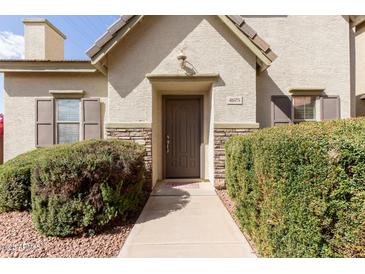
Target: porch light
[181,58]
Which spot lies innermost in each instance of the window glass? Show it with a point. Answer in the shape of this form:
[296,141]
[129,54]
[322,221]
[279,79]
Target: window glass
[68,110]
[304,107]
[68,133]
[68,121]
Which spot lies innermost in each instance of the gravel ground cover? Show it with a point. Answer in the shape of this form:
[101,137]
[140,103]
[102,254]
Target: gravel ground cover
[18,238]
[229,204]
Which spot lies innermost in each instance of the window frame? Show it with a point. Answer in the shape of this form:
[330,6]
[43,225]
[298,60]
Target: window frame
[57,122]
[315,115]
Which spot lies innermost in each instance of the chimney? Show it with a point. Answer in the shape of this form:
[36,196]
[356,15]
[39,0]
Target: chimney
[43,41]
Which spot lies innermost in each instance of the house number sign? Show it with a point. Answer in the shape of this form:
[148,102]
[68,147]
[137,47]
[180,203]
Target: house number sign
[234,100]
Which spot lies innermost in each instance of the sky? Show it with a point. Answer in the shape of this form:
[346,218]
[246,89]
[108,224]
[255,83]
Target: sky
[81,32]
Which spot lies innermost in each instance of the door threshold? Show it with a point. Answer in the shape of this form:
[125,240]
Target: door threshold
[184,180]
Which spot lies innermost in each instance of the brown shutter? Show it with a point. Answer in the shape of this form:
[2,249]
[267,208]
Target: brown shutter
[44,122]
[90,118]
[281,110]
[330,107]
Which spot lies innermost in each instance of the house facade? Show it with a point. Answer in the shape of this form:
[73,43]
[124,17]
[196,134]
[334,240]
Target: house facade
[180,85]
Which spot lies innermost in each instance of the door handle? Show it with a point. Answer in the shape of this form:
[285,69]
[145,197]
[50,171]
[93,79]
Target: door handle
[167,143]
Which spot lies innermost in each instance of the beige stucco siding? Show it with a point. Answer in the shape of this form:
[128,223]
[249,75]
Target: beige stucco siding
[153,47]
[54,45]
[21,89]
[313,51]
[42,42]
[35,38]
[360,69]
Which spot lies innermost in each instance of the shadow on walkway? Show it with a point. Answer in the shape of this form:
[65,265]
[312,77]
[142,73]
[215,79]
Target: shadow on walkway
[160,205]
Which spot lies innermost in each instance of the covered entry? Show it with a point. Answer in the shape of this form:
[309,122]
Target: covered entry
[182,133]
[182,126]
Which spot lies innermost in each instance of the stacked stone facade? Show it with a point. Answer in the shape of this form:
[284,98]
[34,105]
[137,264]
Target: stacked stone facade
[142,136]
[221,135]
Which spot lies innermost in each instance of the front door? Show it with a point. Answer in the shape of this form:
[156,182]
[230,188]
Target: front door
[182,136]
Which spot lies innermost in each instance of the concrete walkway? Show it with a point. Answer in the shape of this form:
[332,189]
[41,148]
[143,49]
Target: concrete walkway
[185,220]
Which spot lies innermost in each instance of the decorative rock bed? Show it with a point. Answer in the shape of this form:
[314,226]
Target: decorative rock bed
[18,238]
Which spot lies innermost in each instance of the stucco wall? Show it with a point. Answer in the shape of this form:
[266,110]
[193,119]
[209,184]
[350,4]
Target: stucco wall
[34,39]
[153,47]
[360,69]
[54,47]
[313,51]
[19,103]
[42,42]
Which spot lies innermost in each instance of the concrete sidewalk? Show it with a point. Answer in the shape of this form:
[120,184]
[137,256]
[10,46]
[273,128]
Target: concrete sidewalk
[185,220]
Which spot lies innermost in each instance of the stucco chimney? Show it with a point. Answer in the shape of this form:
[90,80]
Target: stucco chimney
[43,41]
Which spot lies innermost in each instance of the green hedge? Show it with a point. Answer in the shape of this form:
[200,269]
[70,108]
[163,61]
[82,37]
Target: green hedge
[83,187]
[15,181]
[300,189]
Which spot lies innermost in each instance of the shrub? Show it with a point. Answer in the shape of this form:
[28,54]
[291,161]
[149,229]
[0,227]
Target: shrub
[84,186]
[15,177]
[300,189]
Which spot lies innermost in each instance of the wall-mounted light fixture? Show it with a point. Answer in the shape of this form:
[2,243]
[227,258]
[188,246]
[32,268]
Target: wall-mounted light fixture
[181,58]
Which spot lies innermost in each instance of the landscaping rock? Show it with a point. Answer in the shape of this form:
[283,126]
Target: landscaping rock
[18,239]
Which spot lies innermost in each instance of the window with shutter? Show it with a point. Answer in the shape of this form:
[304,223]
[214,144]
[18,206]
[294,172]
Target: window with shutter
[65,121]
[330,107]
[281,110]
[44,122]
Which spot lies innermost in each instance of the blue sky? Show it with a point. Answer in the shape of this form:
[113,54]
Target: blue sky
[81,32]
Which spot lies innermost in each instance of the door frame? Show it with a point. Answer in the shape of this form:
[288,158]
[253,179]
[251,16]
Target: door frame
[163,122]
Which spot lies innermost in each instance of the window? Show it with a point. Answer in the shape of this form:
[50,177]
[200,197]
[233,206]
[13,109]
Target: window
[304,108]
[60,120]
[67,121]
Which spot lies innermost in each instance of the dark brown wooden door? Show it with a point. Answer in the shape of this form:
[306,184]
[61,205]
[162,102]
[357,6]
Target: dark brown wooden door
[182,136]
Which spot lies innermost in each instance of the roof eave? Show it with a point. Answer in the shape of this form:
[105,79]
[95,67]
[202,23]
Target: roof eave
[121,28]
[263,61]
[46,66]
[357,19]
[121,34]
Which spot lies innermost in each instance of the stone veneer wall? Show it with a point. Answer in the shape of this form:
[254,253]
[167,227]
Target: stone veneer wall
[142,136]
[221,135]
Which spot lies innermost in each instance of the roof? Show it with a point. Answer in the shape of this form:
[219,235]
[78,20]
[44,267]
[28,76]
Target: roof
[254,37]
[236,23]
[119,29]
[23,65]
[357,19]
[122,22]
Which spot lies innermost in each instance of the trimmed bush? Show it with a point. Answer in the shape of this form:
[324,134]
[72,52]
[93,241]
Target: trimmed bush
[80,188]
[300,189]
[15,181]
